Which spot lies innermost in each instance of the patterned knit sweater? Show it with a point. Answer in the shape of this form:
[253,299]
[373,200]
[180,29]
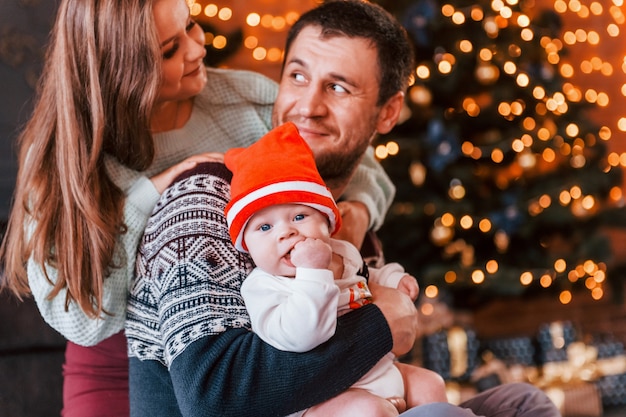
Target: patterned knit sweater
[191,350]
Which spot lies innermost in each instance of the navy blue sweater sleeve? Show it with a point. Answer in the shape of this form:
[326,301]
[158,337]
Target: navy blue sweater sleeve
[237,374]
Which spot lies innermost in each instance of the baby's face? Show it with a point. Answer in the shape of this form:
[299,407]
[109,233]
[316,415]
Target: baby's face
[271,234]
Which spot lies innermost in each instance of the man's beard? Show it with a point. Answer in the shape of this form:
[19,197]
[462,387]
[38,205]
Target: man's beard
[337,168]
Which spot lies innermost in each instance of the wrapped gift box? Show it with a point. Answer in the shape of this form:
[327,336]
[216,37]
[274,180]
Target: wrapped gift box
[512,351]
[612,389]
[494,371]
[459,392]
[610,367]
[553,340]
[576,400]
[608,347]
[452,353]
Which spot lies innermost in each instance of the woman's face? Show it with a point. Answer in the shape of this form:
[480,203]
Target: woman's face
[182,46]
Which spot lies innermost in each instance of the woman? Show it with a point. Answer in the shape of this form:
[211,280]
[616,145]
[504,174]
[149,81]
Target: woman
[122,105]
[79,193]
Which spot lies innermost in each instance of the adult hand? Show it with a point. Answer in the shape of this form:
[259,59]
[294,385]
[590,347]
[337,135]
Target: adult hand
[401,315]
[355,220]
[164,179]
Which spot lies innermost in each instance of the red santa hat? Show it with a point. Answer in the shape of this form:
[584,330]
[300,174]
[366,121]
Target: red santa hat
[277,169]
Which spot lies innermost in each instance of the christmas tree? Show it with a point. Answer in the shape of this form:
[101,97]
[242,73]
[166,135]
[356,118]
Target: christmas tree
[503,182]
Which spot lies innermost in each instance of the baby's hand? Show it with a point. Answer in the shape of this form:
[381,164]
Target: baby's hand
[312,253]
[408,285]
[399,403]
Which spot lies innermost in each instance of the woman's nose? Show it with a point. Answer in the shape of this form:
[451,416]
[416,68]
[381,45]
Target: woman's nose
[195,48]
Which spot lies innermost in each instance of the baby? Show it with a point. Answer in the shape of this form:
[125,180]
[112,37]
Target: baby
[282,213]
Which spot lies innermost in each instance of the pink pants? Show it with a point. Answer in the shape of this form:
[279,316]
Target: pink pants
[95,379]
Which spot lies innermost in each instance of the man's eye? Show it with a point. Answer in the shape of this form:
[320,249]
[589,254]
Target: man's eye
[339,89]
[298,77]
[265,227]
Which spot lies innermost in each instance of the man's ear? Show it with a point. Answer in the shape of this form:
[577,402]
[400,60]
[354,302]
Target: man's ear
[389,113]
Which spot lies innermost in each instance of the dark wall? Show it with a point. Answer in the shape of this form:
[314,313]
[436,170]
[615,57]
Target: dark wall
[31,353]
[24,28]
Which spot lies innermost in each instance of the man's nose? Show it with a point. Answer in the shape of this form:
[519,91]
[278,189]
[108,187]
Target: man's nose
[312,103]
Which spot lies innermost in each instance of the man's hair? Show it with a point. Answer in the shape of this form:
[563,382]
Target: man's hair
[361,19]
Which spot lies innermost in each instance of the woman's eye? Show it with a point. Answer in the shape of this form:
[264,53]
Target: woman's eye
[170,52]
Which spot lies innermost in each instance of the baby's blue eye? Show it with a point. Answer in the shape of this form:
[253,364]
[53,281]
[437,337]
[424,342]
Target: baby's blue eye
[299,217]
[265,227]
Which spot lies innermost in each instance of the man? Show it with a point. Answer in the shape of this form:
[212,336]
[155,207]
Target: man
[328,92]
[200,359]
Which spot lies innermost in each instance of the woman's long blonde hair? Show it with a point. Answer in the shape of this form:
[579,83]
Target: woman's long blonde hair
[95,96]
